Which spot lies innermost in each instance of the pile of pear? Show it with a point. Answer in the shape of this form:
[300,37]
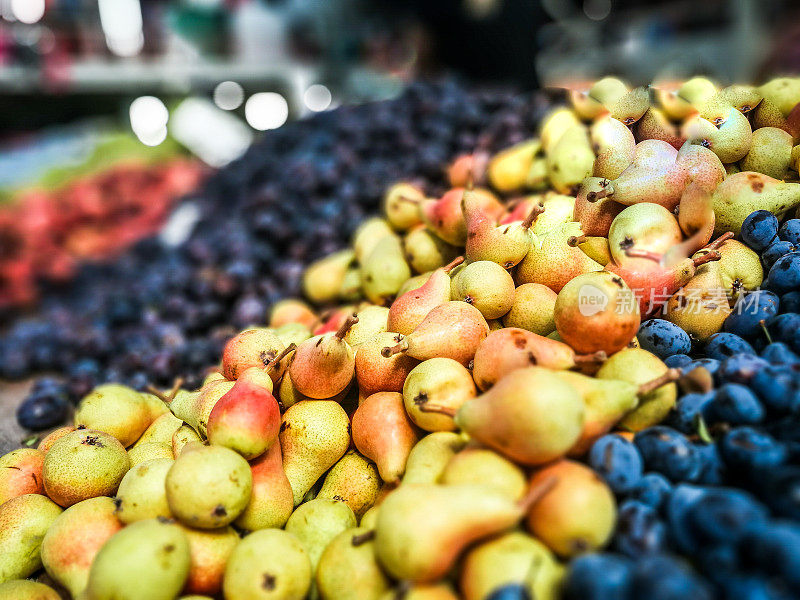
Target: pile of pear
[416,427]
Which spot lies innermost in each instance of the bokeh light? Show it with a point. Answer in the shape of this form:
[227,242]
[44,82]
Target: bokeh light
[229,95]
[317,97]
[149,117]
[266,110]
[28,11]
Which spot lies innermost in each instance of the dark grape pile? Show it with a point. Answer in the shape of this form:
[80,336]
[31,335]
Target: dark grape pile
[719,482]
[159,312]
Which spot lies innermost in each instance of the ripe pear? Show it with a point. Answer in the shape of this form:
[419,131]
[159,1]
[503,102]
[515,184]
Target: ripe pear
[208,487]
[558,209]
[269,563]
[615,147]
[440,381]
[597,312]
[84,464]
[551,261]
[246,420]
[118,410]
[402,214]
[577,514]
[595,247]
[384,270]
[324,365]
[638,366]
[537,175]
[353,480]
[655,125]
[74,539]
[348,569]
[553,126]
[530,416]
[426,251]
[293,333]
[183,435]
[142,493]
[21,473]
[570,160]
[147,560]
[323,278]
[740,268]
[595,217]
[770,152]
[411,308]
[150,451]
[644,227]
[161,430]
[431,455]
[251,348]
[291,310]
[209,551]
[631,107]
[368,234]
[374,372]
[421,591]
[23,589]
[508,170]
[350,289]
[506,244]
[532,309]
[783,92]
[317,522]
[726,132]
[468,169]
[511,558]
[485,285]
[51,438]
[745,192]
[422,529]
[681,100]
[314,435]
[271,501]
[24,520]
[371,321]
[412,283]
[481,466]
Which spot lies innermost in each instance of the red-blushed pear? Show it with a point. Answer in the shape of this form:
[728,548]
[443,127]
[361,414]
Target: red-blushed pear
[21,473]
[655,125]
[246,419]
[595,216]
[468,170]
[531,416]
[209,551]
[410,309]
[511,348]
[376,373]
[451,330]
[271,501]
[445,218]
[324,365]
[251,348]
[331,320]
[291,310]
[383,432]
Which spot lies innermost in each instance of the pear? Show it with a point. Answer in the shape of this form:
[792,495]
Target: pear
[376,373]
[570,160]
[51,438]
[118,410]
[511,558]
[421,529]
[148,560]
[468,170]
[631,107]
[411,308]
[770,152]
[401,214]
[537,175]
[425,251]
[440,381]
[323,278]
[348,569]
[23,589]
[726,132]
[246,420]
[208,487]
[271,500]
[451,330]
[353,480]
[644,227]
[382,431]
[445,217]
[655,125]
[421,591]
[595,217]
[142,492]
[21,473]
[485,285]
[431,455]
[532,309]
[161,430]
[371,321]
[553,126]
[183,435]
[481,466]
[209,551]
[350,289]
[595,247]
[369,233]
[783,92]
[74,539]
[553,249]
[511,348]
[556,209]
[615,147]
[195,407]
[681,101]
[530,416]
[576,514]
[293,333]
[150,451]
[24,520]
[291,310]
[317,522]
[740,268]
[269,563]
[506,245]
[84,464]
[508,170]
[597,312]
[324,365]
[370,517]
[384,270]
[745,192]
[314,435]
[413,283]
[251,348]
[639,367]
[593,101]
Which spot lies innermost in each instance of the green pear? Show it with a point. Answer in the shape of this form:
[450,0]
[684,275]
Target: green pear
[295,333]
[770,152]
[118,410]
[485,285]
[268,564]
[558,209]
[743,193]
[615,147]
[783,92]
[508,170]
[149,451]
[23,589]
[570,160]
[24,520]
[148,560]
[348,569]
[729,136]
[413,283]
[183,436]
[554,124]
[400,205]
[533,309]
[353,480]
[371,321]
[323,279]
[430,456]
[481,466]
[369,233]
[426,251]
[740,268]
[440,381]
[161,430]
[142,493]
[74,539]
[384,270]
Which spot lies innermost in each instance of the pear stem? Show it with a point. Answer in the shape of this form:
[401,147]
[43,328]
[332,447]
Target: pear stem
[635,253]
[668,377]
[595,357]
[595,196]
[706,258]
[720,240]
[575,240]
[436,408]
[365,537]
[536,493]
[167,398]
[533,215]
[453,264]
[351,320]
[392,350]
[290,348]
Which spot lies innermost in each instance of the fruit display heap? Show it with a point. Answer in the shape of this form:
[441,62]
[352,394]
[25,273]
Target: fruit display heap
[591,391]
[161,311]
